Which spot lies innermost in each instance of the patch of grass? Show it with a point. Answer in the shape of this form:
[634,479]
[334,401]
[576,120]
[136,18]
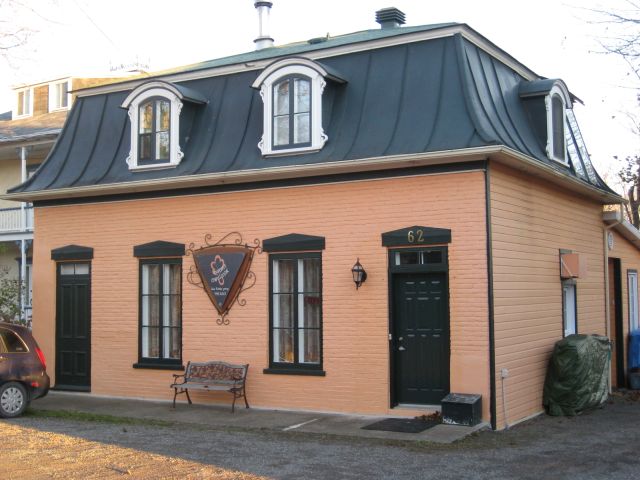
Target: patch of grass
[95,417]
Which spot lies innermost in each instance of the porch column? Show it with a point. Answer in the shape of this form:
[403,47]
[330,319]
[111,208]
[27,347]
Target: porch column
[23,249]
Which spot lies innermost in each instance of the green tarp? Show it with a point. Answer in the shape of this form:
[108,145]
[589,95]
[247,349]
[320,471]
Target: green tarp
[578,375]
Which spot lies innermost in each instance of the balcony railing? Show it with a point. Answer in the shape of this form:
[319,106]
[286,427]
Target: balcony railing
[11,220]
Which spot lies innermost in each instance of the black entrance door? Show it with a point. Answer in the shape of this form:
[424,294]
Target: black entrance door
[73,327]
[420,337]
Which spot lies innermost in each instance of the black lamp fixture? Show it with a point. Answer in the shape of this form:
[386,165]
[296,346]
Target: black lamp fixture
[359,275]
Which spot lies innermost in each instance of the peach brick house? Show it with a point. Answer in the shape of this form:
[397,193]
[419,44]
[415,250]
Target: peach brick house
[451,173]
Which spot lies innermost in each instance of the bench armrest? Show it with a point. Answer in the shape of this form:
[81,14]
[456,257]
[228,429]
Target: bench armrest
[176,377]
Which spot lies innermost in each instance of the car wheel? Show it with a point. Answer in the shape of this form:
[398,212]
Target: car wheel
[13,400]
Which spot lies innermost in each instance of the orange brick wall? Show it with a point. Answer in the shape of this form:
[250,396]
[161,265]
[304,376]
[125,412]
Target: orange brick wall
[351,216]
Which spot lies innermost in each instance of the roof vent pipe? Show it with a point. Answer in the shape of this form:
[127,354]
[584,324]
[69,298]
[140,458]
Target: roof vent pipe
[264,40]
[390,17]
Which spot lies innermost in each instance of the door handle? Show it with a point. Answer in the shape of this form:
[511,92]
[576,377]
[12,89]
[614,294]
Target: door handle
[401,348]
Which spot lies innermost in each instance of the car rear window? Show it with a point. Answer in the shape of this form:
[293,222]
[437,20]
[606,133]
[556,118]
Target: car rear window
[11,343]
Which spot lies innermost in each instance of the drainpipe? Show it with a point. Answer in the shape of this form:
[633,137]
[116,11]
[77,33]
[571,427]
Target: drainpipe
[607,229]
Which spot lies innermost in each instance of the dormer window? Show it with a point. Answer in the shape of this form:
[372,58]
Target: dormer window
[556,103]
[154,110]
[59,96]
[291,90]
[292,113]
[154,130]
[23,107]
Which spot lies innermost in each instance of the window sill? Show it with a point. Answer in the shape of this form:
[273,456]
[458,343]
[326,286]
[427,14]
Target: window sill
[159,366]
[294,371]
[290,151]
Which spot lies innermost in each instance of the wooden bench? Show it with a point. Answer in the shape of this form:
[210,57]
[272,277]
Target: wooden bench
[212,376]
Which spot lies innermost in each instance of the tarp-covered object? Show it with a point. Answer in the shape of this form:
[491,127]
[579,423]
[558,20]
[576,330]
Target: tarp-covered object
[578,374]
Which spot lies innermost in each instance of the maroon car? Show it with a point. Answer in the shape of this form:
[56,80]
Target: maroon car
[23,375]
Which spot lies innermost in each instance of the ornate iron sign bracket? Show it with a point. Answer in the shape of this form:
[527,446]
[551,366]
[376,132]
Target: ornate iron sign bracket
[223,271]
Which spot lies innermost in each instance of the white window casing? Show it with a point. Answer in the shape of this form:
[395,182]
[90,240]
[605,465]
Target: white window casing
[24,103]
[632,284]
[56,101]
[175,153]
[569,309]
[563,95]
[273,74]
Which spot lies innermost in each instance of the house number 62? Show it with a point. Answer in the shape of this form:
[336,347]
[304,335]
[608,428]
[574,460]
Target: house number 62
[418,236]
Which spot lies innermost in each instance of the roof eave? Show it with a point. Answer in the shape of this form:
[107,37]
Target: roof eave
[498,153]
[615,220]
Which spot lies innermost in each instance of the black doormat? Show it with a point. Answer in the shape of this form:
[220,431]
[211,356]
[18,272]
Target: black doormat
[402,425]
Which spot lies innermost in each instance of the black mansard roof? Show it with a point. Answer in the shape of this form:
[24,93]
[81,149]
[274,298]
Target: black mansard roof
[439,92]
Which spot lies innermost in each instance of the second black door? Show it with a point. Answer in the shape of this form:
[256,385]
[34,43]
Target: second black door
[420,338]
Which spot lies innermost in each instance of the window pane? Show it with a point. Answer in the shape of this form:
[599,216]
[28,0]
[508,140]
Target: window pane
[309,310]
[407,258]
[301,131]
[162,115]
[150,278]
[150,342]
[310,274]
[302,95]
[569,298]
[281,98]
[174,278]
[82,268]
[281,130]
[144,147]
[284,274]
[432,257]
[67,269]
[309,346]
[63,90]
[283,345]
[21,103]
[146,117]
[283,310]
[13,343]
[172,343]
[558,126]
[162,146]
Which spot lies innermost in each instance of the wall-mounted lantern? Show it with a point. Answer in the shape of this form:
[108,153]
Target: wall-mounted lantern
[359,274]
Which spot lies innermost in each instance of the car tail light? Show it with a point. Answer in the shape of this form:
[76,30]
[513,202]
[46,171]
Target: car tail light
[41,358]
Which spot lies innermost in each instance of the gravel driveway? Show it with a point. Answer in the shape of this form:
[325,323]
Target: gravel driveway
[601,444]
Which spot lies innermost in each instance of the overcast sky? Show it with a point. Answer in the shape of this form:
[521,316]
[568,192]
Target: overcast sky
[553,38]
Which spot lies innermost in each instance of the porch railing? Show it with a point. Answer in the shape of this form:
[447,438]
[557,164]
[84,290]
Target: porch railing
[11,220]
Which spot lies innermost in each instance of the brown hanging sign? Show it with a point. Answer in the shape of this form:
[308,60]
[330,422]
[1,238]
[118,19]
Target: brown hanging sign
[222,270]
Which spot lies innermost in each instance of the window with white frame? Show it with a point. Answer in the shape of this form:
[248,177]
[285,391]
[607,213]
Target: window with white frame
[569,309]
[291,91]
[632,286]
[154,111]
[556,105]
[23,106]
[59,95]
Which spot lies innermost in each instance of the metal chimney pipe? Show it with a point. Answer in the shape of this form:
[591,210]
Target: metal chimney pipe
[264,40]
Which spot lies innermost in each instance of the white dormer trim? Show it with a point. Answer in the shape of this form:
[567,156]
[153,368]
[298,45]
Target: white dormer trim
[133,101]
[559,90]
[28,111]
[272,74]
[53,97]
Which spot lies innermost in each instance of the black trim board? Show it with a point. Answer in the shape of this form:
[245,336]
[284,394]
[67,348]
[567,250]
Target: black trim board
[72,252]
[159,248]
[313,180]
[416,235]
[293,242]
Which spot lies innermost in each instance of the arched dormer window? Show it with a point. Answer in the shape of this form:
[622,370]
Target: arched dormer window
[154,111]
[291,90]
[556,104]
